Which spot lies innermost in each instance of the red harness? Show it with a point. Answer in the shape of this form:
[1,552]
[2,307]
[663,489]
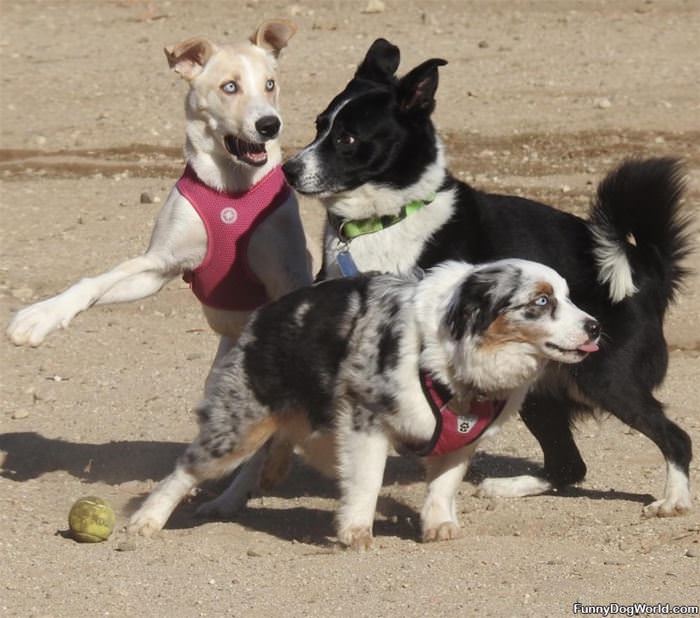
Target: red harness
[224,279]
[454,431]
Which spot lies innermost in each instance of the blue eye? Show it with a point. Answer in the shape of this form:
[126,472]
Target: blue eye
[230,87]
[541,301]
[270,85]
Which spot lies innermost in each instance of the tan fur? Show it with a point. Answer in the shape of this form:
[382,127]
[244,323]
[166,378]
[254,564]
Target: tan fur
[503,331]
[542,288]
[274,35]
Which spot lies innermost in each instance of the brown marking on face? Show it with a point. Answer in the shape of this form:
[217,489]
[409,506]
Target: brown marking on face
[542,288]
[504,330]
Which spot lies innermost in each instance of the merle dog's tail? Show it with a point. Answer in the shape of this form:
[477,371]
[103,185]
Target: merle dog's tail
[640,234]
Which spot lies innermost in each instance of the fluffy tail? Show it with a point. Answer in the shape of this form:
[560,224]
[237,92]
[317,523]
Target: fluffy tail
[640,235]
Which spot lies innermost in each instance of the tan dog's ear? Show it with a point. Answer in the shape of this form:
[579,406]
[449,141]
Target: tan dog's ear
[188,58]
[273,35]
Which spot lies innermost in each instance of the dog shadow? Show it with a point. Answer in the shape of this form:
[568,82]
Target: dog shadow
[29,455]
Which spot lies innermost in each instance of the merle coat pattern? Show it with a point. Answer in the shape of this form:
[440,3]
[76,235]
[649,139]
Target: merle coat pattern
[340,363]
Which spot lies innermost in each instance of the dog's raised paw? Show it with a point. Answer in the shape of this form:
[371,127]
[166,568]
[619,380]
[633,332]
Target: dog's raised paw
[31,325]
[666,508]
[358,538]
[446,531]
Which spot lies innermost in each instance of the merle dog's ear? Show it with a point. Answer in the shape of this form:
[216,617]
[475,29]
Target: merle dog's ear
[477,303]
[380,63]
[417,88]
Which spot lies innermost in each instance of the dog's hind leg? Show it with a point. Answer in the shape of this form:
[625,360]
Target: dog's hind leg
[243,484]
[217,451]
[549,419]
[439,514]
[257,472]
[636,406]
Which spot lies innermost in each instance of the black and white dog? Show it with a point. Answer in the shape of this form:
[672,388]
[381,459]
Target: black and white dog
[379,169]
[373,361]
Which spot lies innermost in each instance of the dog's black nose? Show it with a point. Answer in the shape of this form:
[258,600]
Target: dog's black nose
[291,170]
[268,126]
[592,328]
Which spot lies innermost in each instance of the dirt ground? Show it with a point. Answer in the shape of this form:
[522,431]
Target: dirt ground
[539,98]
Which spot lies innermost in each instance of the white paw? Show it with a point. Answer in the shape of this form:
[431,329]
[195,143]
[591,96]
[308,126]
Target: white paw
[31,325]
[143,524]
[358,538]
[513,487]
[667,507]
[446,531]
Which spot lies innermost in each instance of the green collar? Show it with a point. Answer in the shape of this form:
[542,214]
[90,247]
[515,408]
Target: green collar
[347,229]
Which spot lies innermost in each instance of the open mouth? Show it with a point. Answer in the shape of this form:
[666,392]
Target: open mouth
[248,152]
[580,351]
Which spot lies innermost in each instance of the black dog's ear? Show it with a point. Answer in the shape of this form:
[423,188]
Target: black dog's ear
[477,303]
[380,63]
[417,88]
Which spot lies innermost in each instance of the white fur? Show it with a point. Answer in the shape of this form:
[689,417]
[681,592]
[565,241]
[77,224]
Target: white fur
[614,269]
[361,461]
[373,199]
[513,487]
[158,507]
[676,500]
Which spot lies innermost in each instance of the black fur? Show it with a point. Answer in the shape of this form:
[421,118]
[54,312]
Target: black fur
[308,352]
[641,199]
[479,300]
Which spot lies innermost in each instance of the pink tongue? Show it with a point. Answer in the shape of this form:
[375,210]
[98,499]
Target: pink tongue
[588,347]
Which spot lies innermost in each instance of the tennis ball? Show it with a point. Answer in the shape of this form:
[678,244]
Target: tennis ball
[91,520]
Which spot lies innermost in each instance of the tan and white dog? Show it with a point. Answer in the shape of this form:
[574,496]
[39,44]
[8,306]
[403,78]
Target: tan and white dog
[232,130]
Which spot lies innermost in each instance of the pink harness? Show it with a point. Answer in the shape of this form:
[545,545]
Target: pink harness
[453,431]
[224,279]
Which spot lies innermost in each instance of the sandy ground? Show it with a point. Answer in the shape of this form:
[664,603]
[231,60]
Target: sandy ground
[540,97]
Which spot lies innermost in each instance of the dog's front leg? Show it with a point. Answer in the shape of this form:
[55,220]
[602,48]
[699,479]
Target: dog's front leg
[439,514]
[135,278]
[179,241]
[361,461]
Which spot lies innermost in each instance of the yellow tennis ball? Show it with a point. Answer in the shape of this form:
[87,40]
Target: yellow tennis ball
[91,520]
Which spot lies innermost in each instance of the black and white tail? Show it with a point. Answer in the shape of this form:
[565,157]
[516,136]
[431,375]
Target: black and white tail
[639,231]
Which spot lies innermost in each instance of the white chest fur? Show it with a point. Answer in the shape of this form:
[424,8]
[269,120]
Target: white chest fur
[397,248]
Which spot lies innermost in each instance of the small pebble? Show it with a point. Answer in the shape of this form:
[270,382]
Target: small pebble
[483,44]
[253,554]
[602,103]
[692,553]
[128,545]
[20,414]
[146,198]
[374,6]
